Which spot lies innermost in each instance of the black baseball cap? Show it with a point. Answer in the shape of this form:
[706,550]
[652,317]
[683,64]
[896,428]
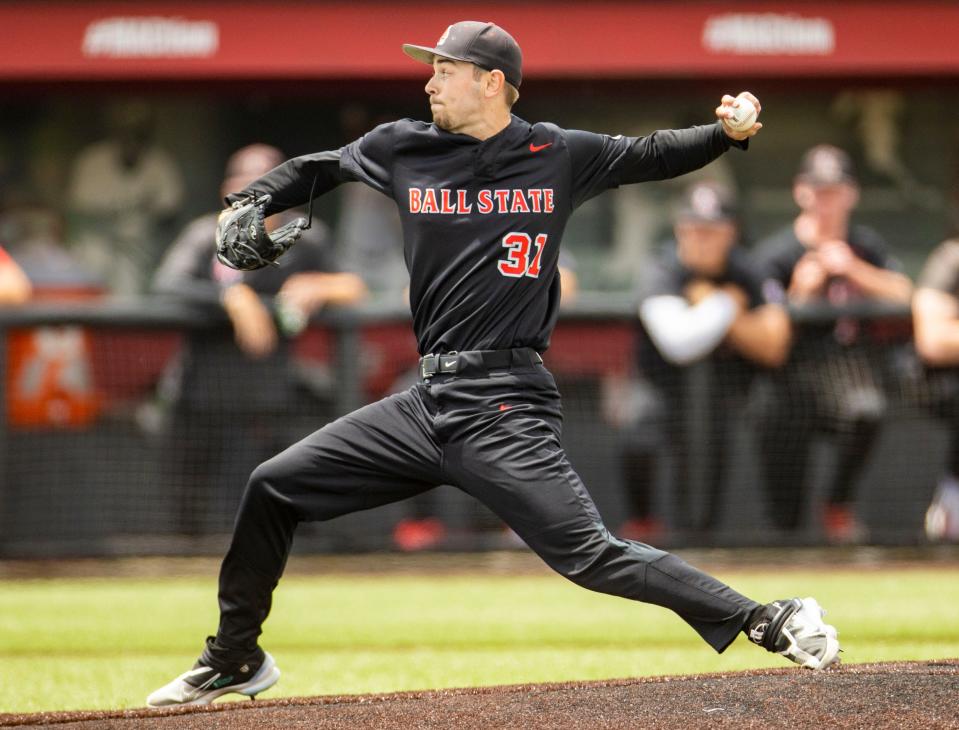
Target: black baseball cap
[825,164]
[483,44]
[707,202]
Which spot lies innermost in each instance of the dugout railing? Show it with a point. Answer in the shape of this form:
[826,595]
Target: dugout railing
[101,456]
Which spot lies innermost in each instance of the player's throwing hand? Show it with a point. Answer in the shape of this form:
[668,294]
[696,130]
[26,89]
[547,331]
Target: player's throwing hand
[738,115]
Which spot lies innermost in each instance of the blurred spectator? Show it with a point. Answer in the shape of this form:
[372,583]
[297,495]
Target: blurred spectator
[122,193]
[235,407]
[829,383]
[701,301]
[34,237]
[49,371]
[935,312]
[15,287]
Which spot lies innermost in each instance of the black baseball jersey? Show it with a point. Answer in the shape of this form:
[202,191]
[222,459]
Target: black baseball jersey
[482,220]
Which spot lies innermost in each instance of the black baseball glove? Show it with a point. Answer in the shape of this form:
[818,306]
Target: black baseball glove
[242,241]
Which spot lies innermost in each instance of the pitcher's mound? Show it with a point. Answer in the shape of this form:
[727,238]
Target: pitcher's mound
[900,695]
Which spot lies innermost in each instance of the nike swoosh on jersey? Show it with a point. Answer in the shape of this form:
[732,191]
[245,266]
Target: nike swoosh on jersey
[538,147]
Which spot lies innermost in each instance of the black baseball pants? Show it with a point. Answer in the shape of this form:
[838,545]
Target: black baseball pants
[494,433]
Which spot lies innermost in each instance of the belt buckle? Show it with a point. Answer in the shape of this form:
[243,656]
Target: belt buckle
[428,366]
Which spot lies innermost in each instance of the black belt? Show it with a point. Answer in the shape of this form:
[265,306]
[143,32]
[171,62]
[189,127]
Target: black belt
[477,363]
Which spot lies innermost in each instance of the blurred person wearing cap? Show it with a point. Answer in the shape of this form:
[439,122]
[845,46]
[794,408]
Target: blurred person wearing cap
[218,436]
[830,384]
[123,196]
[484,198]
[700,301]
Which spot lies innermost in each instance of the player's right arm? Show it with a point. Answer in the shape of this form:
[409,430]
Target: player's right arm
[293,183]
[599,162]
[935,308]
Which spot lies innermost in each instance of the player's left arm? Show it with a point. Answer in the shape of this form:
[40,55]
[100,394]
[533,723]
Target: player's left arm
[294,182]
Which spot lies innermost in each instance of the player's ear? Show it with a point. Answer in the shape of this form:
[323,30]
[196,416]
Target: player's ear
[495,83]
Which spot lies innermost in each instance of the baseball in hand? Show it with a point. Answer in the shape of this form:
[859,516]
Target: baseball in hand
[743,116]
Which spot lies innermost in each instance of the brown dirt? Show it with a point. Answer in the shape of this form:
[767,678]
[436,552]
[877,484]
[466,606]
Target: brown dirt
[900,695]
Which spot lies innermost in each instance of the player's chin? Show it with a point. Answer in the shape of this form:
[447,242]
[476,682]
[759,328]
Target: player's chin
[441,119]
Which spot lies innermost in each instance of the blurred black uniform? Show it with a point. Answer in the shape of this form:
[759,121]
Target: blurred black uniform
[230,410]
[938,388]
[662,413]
[831,383]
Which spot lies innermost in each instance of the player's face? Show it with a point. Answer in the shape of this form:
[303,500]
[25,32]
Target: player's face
[455,95]
[830,202]
[704,247]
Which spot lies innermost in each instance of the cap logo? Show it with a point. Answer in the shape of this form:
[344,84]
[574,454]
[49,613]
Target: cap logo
[446,34]
[706,202]
[827,167]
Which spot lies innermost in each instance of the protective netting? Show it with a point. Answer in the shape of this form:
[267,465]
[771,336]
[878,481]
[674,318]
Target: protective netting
[126,439]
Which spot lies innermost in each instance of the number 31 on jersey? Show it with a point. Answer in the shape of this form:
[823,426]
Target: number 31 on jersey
[518,261]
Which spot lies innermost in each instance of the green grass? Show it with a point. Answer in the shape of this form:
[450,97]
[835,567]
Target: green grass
[106,643]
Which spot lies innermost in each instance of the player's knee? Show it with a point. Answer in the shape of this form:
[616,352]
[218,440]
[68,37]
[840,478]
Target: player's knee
[266,480]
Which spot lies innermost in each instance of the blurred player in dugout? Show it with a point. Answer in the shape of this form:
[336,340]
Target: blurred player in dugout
[831,382]
[700,301]
[237,394]
[935,316]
